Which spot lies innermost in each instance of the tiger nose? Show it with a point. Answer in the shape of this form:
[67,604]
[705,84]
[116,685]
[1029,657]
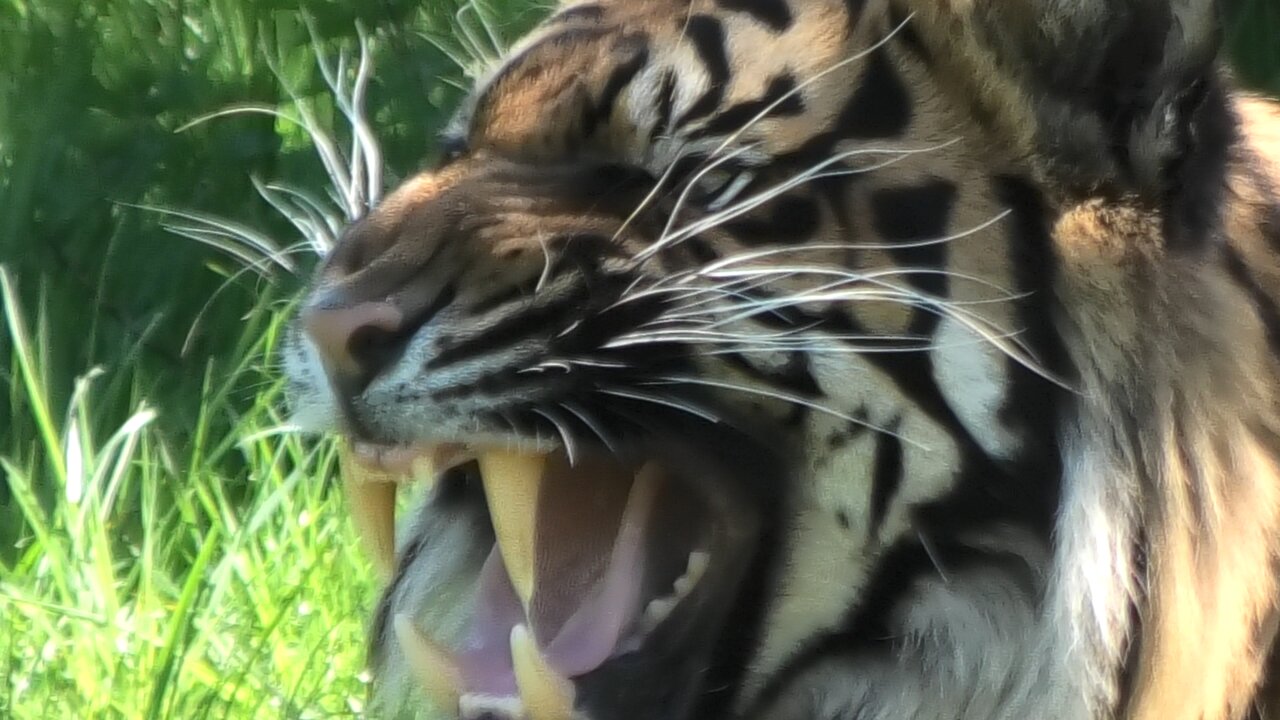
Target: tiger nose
[355,341]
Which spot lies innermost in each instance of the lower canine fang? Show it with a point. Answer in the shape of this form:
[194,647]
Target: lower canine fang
[545,694]
[432,665]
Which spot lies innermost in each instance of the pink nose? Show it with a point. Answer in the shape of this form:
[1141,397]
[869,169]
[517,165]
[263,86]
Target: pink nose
[351,339]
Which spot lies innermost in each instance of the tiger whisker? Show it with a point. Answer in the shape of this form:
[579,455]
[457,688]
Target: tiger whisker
[650,196]
[663,400]
[688,290]
[600,364]
[819,171]
[861,54]
[365,165]
[817,344]
[697,337]
[789,398]
[308,219]
[585,418]
[570,448]
[730,313]
[547,262]
[873,277]
[686,191]
[713,267]
[1002,339]
[754,201]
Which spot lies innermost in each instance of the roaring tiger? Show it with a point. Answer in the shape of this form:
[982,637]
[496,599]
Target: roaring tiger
[823,359]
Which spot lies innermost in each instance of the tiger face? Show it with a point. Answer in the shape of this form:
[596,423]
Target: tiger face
[725,339]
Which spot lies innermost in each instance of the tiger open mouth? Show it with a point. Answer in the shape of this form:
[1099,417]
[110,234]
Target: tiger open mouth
[595,559]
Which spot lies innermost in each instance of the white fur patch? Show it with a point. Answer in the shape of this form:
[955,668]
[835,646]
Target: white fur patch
[312,404]
[971,374]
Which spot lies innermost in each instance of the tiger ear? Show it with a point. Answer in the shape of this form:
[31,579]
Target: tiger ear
[1136,73]
[1101,92]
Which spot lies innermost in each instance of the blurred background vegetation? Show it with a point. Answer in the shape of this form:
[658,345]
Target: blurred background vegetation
[163,551]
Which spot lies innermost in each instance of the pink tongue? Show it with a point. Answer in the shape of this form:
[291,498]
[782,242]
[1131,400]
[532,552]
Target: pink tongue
[486,660]
[585,599]
[590,635]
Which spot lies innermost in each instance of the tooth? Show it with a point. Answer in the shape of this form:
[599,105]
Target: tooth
[546,695]
[658,610]
[426,467]
[698,561]
[511,484]
[432,665]
[477,705]
[682,585]
[373,510]
[423,471]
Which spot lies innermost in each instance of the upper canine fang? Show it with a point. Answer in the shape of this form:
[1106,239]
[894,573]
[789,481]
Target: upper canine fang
[511,484]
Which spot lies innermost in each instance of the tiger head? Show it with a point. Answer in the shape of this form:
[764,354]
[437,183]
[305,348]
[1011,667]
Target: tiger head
[721,337]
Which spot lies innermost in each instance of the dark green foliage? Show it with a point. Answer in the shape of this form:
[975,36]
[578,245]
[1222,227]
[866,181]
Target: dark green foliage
[1253,31]
[91,98]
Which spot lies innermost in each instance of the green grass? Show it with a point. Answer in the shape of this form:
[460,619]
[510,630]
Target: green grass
[151,585]
[166,549]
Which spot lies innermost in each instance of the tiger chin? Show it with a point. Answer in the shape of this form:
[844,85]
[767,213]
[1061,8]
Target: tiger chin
[822,359]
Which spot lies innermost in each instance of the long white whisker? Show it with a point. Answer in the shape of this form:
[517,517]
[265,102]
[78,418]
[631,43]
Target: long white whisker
[764,112]
[586,419]
[570,448]
[789,398]
[660,400]
[688,190]
[725,262]
[874,277]
[754,201]
[546,264]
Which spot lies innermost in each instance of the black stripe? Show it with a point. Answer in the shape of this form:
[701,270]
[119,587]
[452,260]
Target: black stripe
[780,99]
[908,37]
[1032,402]
[1265,305]
[881,106]
[775,14]
[1196,173]
[532,321]
[868,627]
[886,476]
[913,214]
[622,75]
[789,219]
[707,35]
[984,498]
[854,10]
[699,250]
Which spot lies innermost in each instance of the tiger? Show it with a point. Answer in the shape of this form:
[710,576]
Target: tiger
[821,360]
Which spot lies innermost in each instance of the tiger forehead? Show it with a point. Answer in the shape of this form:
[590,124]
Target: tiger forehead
[615,76]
